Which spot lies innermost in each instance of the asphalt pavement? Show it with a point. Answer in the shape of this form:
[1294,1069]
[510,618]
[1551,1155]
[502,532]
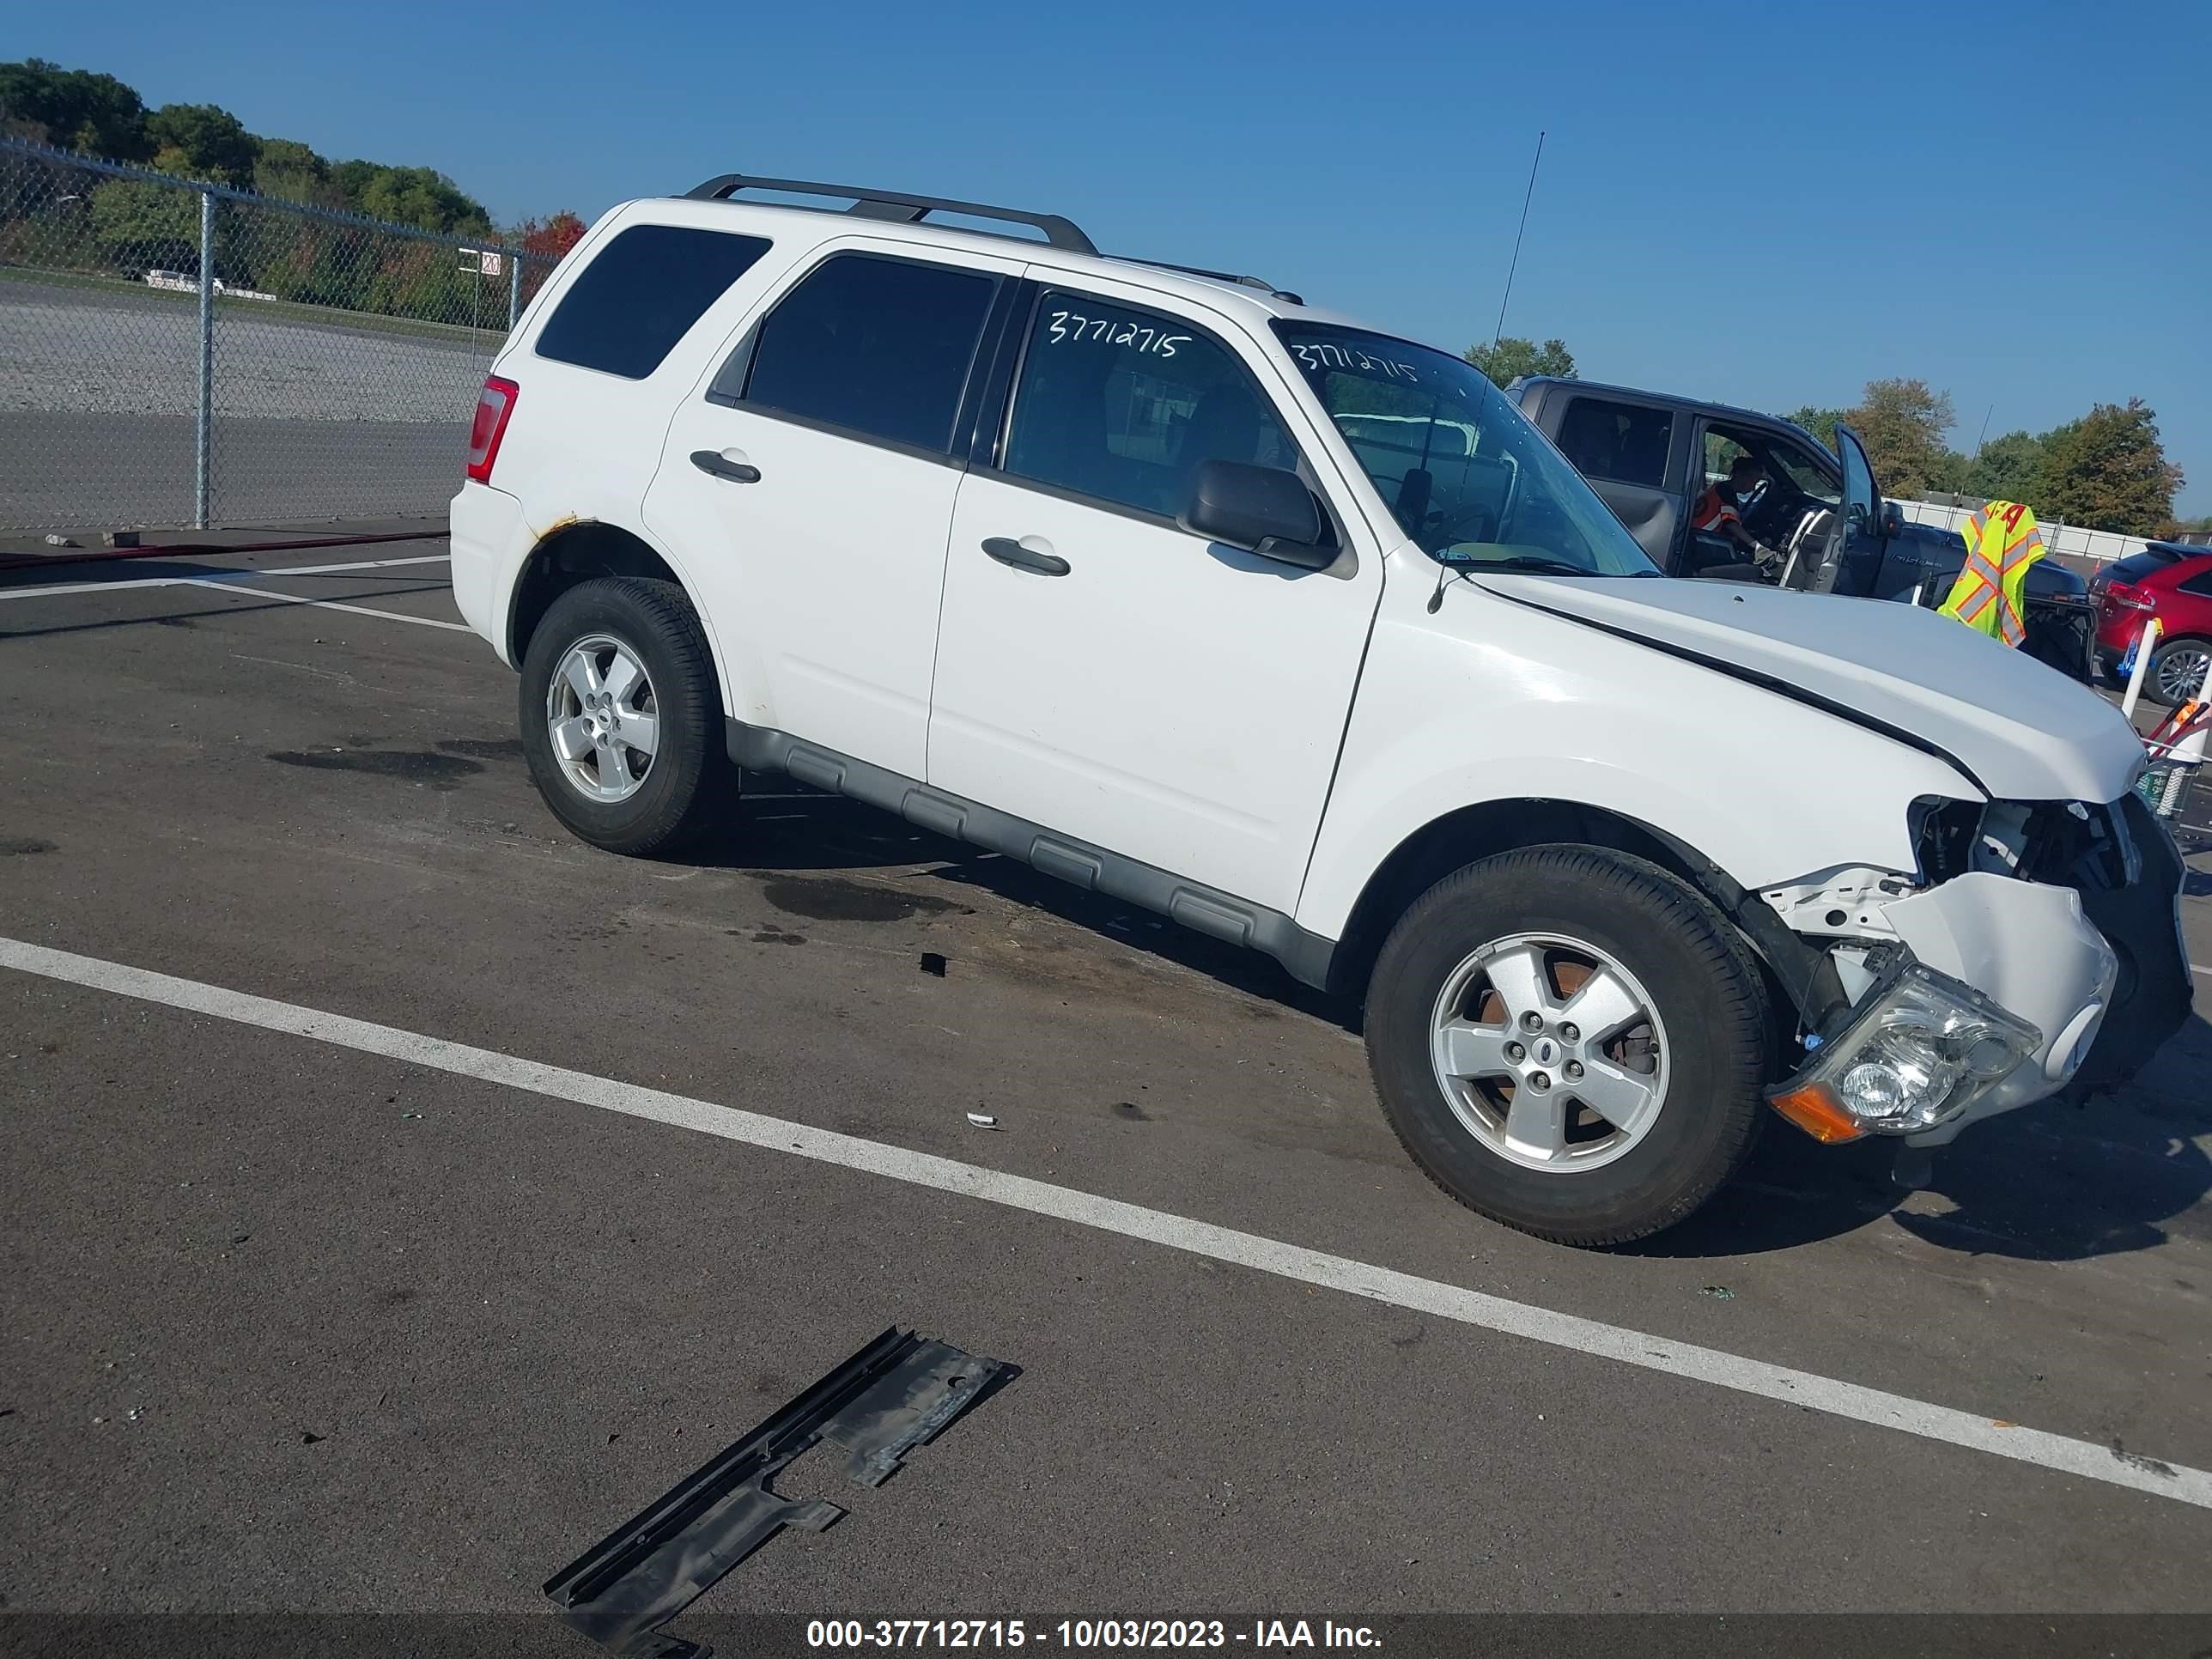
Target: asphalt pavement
[432,1210]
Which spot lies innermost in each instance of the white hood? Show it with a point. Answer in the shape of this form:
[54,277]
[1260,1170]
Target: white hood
[2024,731]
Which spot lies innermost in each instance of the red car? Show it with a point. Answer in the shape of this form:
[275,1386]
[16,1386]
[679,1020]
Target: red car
[2174,584]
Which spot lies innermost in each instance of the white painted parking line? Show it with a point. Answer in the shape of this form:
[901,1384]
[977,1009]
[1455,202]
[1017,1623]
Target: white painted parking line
[1849,1401]
[333,604]
[2206,972]
[221,578]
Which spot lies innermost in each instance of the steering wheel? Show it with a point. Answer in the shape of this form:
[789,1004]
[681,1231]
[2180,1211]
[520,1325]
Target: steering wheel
[1477,517]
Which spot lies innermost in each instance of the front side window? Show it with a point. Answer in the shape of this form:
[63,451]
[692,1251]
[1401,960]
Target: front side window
[1121,406]
[1722,454]
[1622,443]
[1459,466]
[1812,482]
[626,310]
[1859,492]
[878,347]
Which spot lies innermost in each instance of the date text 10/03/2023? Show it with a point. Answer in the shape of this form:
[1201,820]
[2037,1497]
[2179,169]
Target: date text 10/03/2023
[1085,1634]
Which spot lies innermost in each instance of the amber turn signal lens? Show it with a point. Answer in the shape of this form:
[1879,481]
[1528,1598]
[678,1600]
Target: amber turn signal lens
[1818,1112]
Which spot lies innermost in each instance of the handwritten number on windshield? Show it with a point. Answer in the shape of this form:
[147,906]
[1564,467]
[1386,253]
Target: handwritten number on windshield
[1319,357]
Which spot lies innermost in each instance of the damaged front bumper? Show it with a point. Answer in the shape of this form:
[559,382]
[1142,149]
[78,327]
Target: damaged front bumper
[1995,990]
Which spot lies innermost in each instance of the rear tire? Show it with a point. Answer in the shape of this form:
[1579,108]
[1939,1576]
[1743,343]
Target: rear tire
[1512,939]
[2177,669]
[622,718]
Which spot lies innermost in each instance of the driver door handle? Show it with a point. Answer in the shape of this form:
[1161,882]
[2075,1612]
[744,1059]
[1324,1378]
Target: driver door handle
[721,466]
[1006,550]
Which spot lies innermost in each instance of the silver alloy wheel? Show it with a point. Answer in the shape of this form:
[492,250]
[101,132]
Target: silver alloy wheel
[1550,1052]
[602,718]
[2181,673]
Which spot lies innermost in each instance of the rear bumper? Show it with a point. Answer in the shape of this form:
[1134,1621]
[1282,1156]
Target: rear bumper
[485,524]
[2117,629]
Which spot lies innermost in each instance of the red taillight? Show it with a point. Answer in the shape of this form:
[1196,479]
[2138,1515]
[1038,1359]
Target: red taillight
[494,405]
[2128,597]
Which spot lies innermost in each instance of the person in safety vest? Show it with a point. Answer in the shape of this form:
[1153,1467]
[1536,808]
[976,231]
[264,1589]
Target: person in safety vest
[2001,543]
[1718,512]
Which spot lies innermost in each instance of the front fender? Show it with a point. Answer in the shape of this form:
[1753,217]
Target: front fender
[1488,702]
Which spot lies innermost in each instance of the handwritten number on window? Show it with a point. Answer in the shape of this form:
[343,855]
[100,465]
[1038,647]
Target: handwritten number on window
[1062,327]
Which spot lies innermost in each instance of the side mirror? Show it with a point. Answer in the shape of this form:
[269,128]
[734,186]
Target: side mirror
[1893,519]
[1262,509]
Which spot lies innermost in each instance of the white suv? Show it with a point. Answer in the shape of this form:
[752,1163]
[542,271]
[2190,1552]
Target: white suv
[1180,589]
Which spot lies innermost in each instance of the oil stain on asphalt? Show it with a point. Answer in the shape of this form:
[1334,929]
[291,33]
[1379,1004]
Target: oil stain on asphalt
[831,898]
[22,845]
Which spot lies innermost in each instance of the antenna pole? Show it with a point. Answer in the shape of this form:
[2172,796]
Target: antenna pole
[1498,333]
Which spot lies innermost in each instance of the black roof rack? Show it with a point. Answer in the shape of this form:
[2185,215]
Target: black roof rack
[1260,282]
[872,203]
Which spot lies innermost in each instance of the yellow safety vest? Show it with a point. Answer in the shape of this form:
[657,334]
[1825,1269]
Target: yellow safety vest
[2001,541]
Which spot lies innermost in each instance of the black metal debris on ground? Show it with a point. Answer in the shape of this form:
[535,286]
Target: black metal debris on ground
[900,1391]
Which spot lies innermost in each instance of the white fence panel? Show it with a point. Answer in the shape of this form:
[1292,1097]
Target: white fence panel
[2102,545]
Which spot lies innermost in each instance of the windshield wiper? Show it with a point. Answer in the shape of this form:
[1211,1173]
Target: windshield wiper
[1531,562]
[1540,566]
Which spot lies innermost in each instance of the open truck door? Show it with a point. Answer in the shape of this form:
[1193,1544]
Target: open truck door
[1827,555]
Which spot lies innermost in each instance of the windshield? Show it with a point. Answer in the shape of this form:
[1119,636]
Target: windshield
[1462,468]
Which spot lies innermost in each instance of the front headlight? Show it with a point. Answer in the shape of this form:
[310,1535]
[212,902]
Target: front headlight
[1920,1050]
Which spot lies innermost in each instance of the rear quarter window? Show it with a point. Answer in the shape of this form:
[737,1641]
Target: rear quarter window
[626,310]
[1623,443]
[2136,566]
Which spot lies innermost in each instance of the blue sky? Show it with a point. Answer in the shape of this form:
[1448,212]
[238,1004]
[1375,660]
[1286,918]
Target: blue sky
[1769,205]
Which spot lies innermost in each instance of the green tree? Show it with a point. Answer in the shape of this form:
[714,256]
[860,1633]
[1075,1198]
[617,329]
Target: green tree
[291,172]
[2108,471]
[209,141]
[1821,422]
[74,109]
[419,197]
[1902,424]
[2009,468]
[1512,357]
[145,227]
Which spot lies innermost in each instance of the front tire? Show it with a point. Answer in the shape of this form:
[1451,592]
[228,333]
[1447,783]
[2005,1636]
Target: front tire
[1569,1041]
[621,716]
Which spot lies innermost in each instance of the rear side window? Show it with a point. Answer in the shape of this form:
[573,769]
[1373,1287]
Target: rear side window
[2199,583]
[627,309]
[1121,406]
[1621,443]
[2136,566]
[874,346]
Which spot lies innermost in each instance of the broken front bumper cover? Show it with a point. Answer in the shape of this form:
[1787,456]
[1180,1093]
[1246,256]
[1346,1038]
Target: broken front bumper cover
[899,1392]
[2098,970]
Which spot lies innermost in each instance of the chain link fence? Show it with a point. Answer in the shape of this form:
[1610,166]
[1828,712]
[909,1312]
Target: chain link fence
[174,353]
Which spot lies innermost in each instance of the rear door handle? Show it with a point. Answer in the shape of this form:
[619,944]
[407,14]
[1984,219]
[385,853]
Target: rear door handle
[713,461]
[1006,550]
